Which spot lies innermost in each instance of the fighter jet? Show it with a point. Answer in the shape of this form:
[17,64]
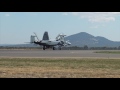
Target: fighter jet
[61,38]
[47,43]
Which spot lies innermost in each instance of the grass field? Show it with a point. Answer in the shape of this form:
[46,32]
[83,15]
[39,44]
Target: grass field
[59,68]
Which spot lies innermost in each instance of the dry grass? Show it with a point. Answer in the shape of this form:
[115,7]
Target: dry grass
[59,68]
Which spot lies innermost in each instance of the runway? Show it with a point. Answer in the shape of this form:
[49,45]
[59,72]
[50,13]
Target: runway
[55,54]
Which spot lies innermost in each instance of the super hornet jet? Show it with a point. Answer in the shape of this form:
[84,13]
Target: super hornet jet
[46,43]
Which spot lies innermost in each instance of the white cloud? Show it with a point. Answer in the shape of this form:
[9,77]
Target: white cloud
[97,16]
[75,13]
[65,14]
[7,15]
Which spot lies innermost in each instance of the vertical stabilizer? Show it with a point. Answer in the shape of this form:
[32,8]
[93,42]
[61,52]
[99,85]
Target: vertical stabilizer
[45,36]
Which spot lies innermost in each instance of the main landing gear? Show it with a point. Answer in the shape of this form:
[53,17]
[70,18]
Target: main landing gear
[53,48]
[43,47]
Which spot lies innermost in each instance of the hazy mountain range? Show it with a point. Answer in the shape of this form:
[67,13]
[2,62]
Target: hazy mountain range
[81,39]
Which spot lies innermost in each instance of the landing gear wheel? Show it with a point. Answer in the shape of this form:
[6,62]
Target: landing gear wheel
[53,48]
[43,47]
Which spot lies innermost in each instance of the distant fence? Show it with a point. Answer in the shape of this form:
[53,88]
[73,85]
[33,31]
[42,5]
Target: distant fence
[2,47]
[66,48]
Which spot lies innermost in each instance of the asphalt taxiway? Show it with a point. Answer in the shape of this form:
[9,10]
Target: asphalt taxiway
[55,54]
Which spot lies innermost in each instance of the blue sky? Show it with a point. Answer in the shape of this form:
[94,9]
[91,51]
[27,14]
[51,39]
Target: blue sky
[17,27]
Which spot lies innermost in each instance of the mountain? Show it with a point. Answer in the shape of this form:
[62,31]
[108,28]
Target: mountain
[83,38]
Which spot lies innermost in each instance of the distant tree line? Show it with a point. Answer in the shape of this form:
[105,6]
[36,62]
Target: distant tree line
[85,47]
